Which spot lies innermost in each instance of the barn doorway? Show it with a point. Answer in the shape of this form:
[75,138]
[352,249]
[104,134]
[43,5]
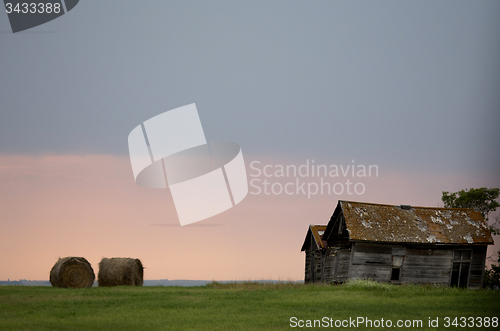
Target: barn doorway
[460,268]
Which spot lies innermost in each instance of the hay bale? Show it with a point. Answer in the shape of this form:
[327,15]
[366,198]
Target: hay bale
[74,272]
[120,271]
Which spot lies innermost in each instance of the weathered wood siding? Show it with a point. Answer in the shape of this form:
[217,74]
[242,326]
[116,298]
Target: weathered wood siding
[342,265]
[313,272]
[427,265]
[421,264]
[318,266]
[329,265]
[308,272]
[314,266]
[372,261]
[315,263]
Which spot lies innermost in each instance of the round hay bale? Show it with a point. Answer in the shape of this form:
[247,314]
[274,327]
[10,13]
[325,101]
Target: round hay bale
[74,272]
[120,271]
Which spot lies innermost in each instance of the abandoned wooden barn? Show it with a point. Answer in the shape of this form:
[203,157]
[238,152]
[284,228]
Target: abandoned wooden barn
[398,244]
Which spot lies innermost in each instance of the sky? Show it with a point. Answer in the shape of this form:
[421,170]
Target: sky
[411,87]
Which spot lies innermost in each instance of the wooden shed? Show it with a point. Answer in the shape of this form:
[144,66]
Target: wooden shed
[398,244]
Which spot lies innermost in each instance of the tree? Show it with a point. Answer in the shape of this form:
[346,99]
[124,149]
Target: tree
[481,199]
[492,276]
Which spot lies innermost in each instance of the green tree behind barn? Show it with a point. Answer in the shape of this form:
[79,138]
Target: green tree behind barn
[481,199]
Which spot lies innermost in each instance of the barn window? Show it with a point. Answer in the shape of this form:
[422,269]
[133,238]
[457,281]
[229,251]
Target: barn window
[395,274]
[462,260]
[397,263]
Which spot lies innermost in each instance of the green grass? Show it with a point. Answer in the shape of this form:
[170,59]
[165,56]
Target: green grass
[236,306]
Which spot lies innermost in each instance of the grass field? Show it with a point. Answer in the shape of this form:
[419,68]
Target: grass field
[238,306]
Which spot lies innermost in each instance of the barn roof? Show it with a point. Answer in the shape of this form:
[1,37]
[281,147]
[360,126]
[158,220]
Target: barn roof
[315,231]
[408,224]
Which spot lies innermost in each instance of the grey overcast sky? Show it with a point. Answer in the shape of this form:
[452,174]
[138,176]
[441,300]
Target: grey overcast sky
[407,84]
